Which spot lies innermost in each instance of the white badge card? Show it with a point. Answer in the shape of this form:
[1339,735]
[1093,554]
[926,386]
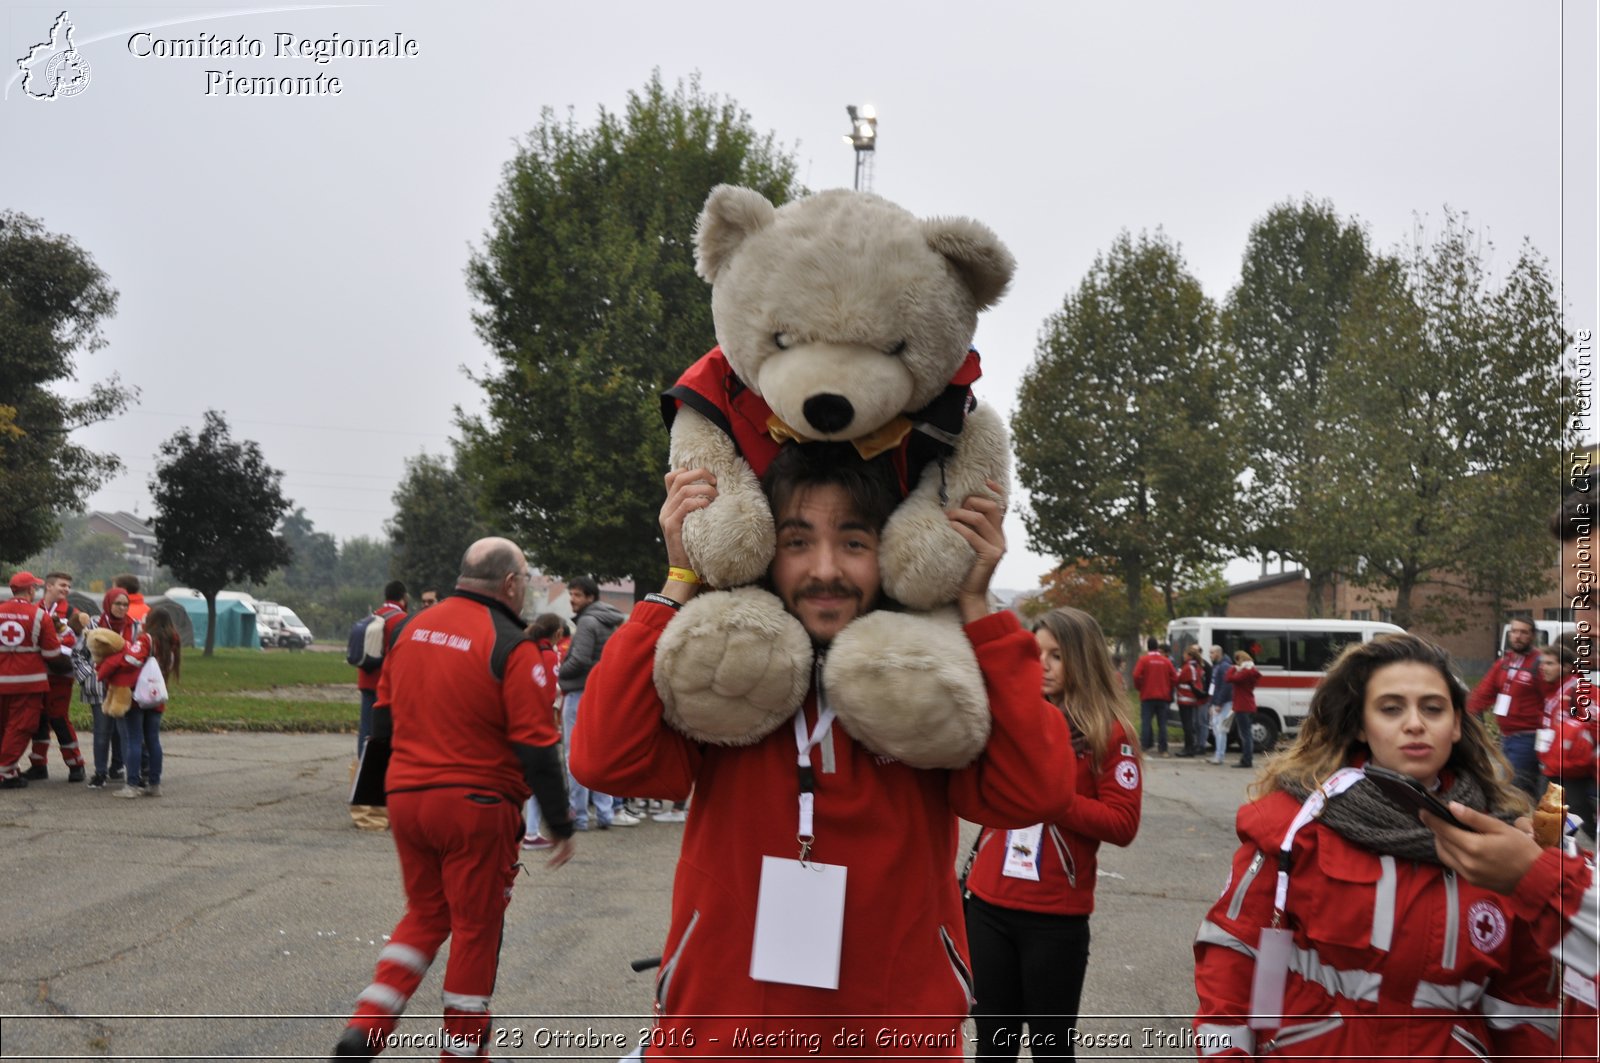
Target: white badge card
[799,923]
[1022,852]
[1271,977]
[1502,705]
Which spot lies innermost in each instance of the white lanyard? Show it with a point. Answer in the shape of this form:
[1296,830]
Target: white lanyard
[1337,783]
[804,743]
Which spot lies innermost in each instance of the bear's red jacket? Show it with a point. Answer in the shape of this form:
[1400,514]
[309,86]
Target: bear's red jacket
[893,827]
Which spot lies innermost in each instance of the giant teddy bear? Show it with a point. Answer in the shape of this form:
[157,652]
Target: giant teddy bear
[839,316]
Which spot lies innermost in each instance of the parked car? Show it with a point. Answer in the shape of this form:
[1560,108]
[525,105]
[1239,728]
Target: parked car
[279,626]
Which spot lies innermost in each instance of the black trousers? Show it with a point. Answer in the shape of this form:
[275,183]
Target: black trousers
[1027,969]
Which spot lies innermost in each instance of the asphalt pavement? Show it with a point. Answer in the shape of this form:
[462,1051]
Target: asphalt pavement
[238,915]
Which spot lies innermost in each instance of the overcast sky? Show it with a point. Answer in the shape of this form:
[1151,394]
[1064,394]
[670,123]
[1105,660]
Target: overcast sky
[297,262]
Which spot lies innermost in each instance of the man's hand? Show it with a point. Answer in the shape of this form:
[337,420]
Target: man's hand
[688,490]
[978,522]
[1492,854]
[560,852]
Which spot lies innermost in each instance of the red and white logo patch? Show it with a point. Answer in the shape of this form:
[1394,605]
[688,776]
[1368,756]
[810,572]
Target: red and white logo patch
[541,676]
[1487,925]
[1127,775]
[12,633]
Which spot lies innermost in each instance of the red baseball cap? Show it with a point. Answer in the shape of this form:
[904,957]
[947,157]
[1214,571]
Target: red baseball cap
[23,581]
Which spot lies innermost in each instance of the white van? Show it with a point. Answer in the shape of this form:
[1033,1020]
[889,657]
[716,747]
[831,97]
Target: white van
[1292,655]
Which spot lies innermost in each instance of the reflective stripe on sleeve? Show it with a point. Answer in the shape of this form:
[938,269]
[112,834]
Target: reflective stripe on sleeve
[1503,1015]
[1212,934]
[1352,985]
[31,677]
[1579,950]
[1461,996]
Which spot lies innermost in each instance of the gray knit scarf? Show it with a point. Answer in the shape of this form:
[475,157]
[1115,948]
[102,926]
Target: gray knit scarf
[1365,816]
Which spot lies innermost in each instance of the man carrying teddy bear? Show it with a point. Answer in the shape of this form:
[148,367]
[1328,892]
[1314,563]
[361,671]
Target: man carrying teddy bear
[816,879]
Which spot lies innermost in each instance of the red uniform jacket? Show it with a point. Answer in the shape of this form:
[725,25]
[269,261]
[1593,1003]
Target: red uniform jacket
[1155,677]
[394,615]
[462,686]
[1244,682]
[122,669]
[1516,674]
[1561,898]
[1192,675]
[1105,810]
[894,828]
[1392,959]
[27,640]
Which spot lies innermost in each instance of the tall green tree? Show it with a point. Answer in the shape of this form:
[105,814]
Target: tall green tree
[1442,425]
[1124,430]
[315,555]
[436,518]
[218,504]
[1282,321]
[590,306]
[53,300]
[364,562]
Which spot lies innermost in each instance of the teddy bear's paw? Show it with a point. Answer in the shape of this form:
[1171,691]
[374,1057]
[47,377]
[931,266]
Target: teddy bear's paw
[732,666]
[909,687]
[730,541]
[923,559]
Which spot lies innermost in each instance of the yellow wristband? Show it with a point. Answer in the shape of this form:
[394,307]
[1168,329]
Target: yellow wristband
[682,575]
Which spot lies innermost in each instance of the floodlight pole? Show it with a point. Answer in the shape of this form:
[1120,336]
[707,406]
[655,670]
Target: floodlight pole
[864,138]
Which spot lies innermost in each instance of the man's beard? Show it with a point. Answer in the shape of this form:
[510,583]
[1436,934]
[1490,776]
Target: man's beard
[834,589]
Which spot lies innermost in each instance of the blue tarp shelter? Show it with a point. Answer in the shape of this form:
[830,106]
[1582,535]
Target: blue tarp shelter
[236,618]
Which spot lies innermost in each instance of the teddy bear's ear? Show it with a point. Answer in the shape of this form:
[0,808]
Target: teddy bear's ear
[977,254]
[731,213]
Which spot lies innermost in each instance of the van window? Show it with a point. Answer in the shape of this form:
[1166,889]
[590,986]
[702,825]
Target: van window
[1268,648]
[1182,639]
[1314,651]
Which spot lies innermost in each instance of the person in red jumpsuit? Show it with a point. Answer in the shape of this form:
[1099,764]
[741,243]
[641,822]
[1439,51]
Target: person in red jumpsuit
[807,827]
[1339,933]
[464,706]
[29,653]
[58,702]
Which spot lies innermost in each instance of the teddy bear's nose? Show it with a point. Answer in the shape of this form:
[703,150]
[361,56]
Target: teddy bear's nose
[829,413]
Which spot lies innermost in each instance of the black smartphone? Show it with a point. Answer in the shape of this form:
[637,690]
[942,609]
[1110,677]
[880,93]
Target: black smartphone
[1409,794]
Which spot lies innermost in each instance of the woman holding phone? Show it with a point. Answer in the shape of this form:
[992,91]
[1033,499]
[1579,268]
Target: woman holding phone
[1339,933]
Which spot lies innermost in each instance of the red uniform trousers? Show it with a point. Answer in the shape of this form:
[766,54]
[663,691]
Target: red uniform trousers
[19,718]
[57,718]
[458,857]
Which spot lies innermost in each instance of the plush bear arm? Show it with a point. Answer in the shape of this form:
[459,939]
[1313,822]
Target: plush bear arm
[730,542]
[922,558]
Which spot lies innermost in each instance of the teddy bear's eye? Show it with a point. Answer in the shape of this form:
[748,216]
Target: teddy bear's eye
[782,340]
[898,349]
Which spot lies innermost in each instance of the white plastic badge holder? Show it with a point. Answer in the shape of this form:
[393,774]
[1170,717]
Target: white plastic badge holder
[1272,975]
[799,923]
[1022,852]
[1502,705]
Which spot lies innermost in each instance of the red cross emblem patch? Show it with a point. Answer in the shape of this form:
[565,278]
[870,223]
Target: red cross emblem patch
[1487,925]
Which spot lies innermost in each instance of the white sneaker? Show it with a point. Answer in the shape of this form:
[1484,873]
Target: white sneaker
[129,791]
[671,815]
[624,818]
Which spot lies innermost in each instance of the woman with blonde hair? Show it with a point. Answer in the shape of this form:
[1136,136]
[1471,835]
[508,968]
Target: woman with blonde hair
[1339,934]
[1030,891]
